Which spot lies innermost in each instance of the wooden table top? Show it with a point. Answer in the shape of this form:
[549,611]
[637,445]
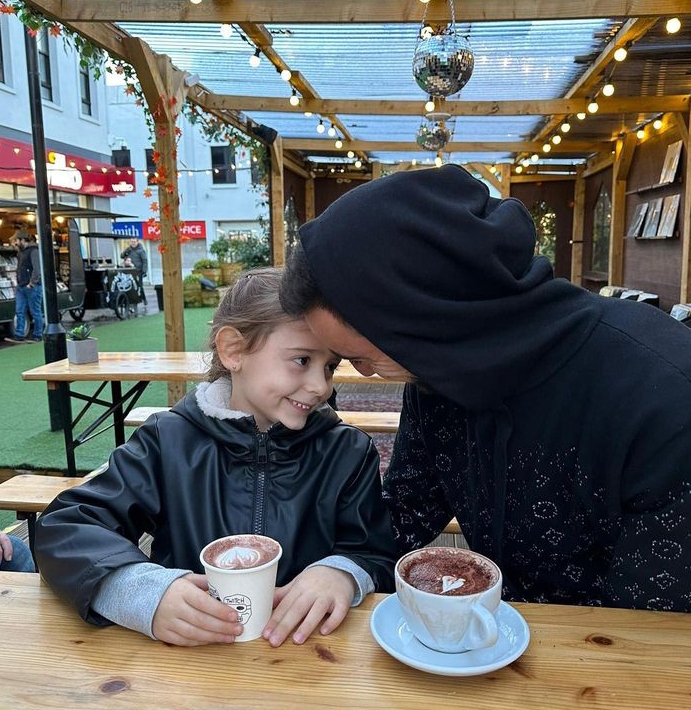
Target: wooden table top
[30,493]
[578,657]
[151,366]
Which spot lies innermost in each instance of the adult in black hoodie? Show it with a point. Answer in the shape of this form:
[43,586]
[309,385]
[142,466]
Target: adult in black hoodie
[553,423]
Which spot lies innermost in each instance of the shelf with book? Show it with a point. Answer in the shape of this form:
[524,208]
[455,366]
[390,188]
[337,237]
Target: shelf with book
[656,218]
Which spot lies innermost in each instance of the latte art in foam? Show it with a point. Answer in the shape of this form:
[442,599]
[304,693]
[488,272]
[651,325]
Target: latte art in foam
[238,558]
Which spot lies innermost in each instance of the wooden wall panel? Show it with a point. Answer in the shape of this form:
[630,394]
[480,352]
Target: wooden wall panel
[294,186]
[592,190]
[328,190]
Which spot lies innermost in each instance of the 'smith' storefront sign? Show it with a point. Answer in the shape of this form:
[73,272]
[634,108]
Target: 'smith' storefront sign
[195,229]
[66,172]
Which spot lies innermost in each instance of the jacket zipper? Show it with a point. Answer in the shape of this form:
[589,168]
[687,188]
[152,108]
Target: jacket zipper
[260,486]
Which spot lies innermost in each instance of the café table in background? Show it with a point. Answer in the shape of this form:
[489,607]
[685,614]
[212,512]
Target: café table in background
[138,369]
[578,657]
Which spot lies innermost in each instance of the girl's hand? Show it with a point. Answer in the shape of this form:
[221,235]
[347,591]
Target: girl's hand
[188,616]
[5,547]
[315,593]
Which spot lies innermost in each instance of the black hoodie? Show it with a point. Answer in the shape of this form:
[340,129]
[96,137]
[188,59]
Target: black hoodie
[556,424]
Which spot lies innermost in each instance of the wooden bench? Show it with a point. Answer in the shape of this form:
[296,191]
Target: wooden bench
[371,422]
[29,494]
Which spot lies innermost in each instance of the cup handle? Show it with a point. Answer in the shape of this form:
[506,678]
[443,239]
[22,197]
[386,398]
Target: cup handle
[483,631]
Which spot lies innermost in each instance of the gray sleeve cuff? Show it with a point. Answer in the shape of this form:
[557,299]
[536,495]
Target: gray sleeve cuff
[363,581]
[130,595]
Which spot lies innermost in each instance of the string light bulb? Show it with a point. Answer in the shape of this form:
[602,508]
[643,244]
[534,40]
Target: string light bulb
[580,115]
[534,158]
[593,106]
[351,154]
[196,2]
[338,143]
[286,75]
[608,89]
[438,161]
[226,31]
[320,126]
[332,130]
[640,134]
[255,59]
[519,169]
[673,25]
[620,54]
[556,139]
[358,163]
[657,124]
[546,148]
[294,98]
[429,106]
[308,114]
[565,127]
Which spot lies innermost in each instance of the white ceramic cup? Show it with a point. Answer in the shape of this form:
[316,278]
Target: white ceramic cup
[248,590]
[445,622]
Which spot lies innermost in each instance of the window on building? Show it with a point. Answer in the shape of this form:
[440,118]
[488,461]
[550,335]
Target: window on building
[85,91]
[121,158]
[42,42]
[150,167]
[223,165]
[546,229]
[599,258]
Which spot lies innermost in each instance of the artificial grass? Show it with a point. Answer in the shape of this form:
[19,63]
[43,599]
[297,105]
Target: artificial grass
[27,442]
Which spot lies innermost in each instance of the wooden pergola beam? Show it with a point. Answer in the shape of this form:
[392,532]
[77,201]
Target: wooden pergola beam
[319,145]
[528,107]
[361,11]
[631,31]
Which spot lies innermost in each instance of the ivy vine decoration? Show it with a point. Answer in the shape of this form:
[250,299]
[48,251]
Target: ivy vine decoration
[91,57]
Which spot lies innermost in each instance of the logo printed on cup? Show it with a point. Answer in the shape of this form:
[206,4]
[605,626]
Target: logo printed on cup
[241,572]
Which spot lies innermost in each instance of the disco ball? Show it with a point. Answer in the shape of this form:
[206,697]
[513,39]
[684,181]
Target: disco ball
[443,63]
[433,137]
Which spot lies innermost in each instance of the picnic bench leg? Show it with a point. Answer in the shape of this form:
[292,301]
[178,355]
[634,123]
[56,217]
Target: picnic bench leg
[118,414]
[66,414]
[31,526]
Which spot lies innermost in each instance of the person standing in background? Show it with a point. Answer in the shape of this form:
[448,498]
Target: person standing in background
[29,295]
[136,253]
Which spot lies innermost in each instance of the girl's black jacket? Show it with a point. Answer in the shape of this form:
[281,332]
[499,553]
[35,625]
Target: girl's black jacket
[188,478]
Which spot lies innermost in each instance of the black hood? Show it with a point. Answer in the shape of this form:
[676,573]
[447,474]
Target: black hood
[443,279]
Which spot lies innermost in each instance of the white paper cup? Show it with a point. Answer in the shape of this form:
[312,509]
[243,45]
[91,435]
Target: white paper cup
[250,590]
[450,623]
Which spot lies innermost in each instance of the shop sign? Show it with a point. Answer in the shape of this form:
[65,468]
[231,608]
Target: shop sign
[194,229]
[70,173]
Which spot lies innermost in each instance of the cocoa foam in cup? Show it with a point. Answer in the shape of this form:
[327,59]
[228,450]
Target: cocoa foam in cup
[448,571]
[241,552]
[241,572]
[449,597]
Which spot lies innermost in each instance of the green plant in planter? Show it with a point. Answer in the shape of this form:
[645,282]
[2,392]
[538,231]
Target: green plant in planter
[80,332]
[220,248]
[206,264]
[81,347]
[251,251]
[192,279]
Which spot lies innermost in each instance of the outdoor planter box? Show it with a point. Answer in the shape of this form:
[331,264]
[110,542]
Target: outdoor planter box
[80,352]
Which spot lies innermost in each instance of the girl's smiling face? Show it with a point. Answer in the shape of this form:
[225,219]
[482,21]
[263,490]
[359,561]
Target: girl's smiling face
[289,375]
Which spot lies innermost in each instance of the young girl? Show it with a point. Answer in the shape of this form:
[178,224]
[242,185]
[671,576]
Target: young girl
[253,450]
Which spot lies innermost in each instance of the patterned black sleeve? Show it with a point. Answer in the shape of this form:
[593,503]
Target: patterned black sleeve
[419,510]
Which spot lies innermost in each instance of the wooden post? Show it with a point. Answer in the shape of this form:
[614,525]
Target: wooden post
[685,290]
[577,232]
[309,199]
[278,234]
[165,90]
[376,170]
[505,180]
[622,163]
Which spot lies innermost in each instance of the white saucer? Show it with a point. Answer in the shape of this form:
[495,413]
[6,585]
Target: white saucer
[392,633]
